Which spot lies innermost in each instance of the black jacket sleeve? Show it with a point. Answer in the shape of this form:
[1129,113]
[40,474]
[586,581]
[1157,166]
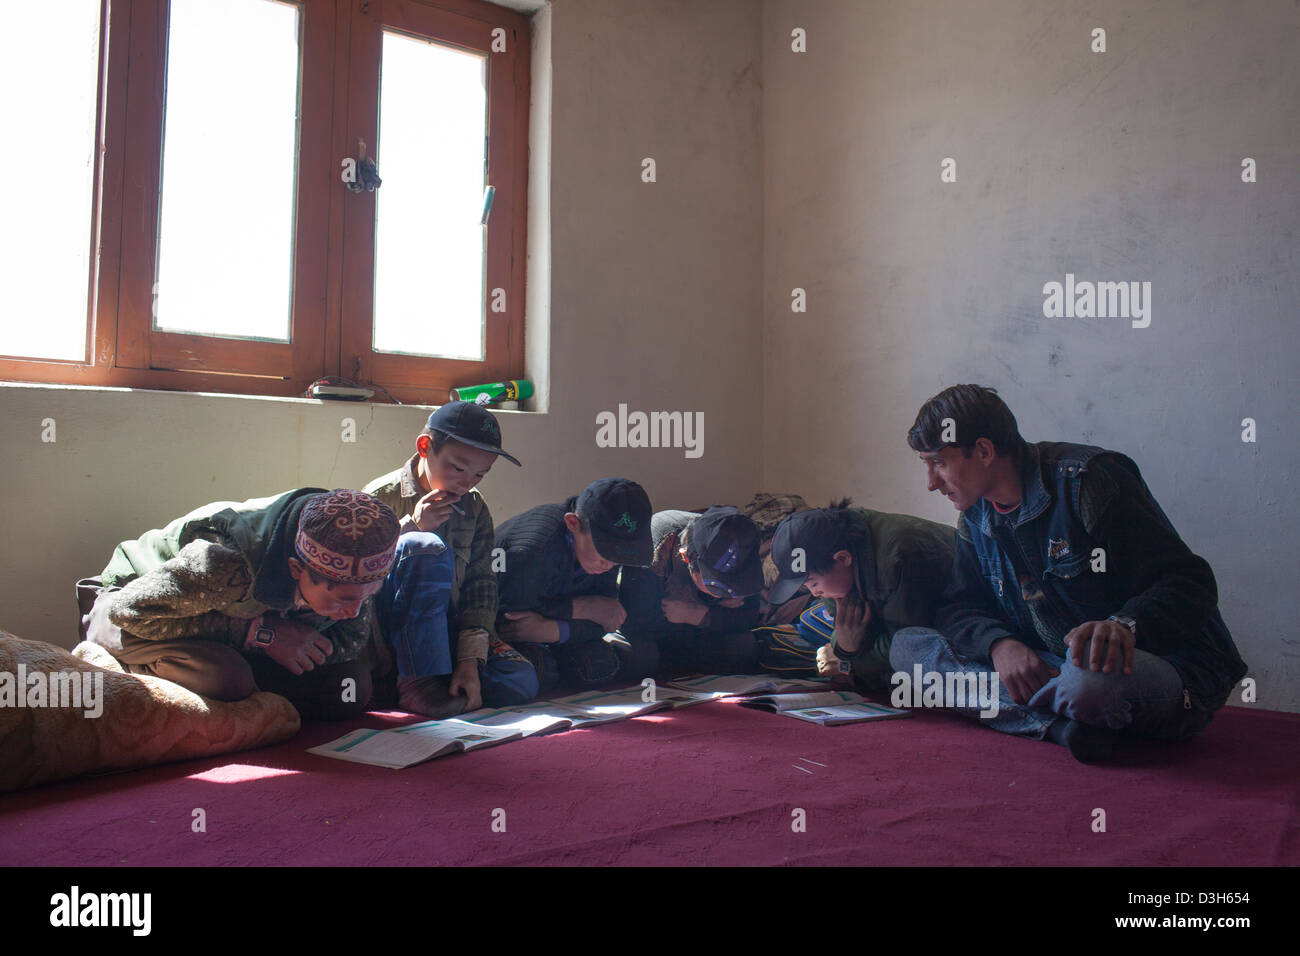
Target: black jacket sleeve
[519,586]
[534,581]
[1174,591]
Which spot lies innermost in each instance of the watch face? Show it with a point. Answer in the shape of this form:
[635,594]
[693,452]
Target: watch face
[264,636]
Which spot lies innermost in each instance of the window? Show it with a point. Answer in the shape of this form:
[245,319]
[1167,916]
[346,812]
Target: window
[45,242]
[229,253]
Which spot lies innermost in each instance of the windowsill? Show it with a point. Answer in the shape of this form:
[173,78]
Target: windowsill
[278,399]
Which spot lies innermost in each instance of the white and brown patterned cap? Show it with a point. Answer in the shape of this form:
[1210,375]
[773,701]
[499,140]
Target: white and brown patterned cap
[347,536]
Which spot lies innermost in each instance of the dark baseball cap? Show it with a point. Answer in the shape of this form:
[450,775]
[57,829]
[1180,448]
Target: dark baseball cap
[617,513]
[723,544]
[817,535]
[471,425]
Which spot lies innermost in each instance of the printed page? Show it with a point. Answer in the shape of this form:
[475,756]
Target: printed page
[677,697]
[846,714]
[609,706]
[415,743]
[467,736]
[385,748]
[526,719]
[736,685]
[784,702]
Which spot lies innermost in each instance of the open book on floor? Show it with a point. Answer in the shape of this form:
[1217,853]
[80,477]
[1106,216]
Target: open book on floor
[828,709]
[579,710]
[679,697]
[416,743]
[603,707]
[739,685]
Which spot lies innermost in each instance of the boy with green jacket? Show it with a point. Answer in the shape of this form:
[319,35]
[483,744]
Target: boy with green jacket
[884,572]
[272,593]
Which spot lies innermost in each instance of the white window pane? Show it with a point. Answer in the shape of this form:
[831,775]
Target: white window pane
[47,110]
[225,250]
[429,237]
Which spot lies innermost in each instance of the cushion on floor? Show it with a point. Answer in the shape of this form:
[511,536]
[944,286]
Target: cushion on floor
[142,720]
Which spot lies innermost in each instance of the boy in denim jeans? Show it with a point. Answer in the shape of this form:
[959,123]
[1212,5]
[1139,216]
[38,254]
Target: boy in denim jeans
[441,646]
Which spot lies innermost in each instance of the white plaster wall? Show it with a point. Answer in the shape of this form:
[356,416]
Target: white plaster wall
[1117,166]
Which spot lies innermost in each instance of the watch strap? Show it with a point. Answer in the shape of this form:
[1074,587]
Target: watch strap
[1126,621]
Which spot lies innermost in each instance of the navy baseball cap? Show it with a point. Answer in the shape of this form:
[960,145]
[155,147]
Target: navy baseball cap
[815,535]
[617,513]
[723,544]
[470,424]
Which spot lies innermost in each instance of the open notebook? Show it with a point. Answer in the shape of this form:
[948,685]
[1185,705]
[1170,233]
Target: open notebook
[828,709]
[416,743]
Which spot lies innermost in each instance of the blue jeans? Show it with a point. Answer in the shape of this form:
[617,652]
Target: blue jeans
[413,606]
[507,678]
[1146,703]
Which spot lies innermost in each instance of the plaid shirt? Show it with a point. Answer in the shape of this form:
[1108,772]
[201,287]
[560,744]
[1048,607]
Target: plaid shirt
[471,537]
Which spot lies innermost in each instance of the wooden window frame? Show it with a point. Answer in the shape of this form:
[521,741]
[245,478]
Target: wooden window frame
[333,274]
[462,25]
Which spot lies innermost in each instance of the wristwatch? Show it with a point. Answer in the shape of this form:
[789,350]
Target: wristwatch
[1128,622]
[263,636]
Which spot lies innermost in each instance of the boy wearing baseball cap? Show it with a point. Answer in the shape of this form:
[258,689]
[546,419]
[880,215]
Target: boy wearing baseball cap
[559,588]
[883,572]
[448,536]
[271,593]
[694,608]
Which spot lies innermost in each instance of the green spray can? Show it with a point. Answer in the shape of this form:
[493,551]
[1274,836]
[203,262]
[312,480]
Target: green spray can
[513,390]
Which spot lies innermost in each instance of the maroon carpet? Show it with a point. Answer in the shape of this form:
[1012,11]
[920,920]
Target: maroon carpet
[714,784]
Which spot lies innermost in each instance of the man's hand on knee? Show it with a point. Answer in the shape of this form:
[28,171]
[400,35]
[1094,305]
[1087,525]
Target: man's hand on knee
[1109,647]
[1021,671]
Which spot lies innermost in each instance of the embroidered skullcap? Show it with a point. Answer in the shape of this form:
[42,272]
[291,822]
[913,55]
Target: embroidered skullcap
[347,536]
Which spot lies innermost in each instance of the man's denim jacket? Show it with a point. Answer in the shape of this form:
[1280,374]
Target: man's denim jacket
[1092,542]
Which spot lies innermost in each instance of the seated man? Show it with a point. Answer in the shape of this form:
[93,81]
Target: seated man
[272,593]
[693,608]
[883,572]
[1070,583]
[447,525]
[560,584]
